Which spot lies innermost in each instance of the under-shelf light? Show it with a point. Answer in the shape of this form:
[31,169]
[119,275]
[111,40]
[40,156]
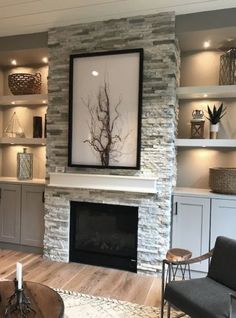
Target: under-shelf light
[13,103]
[13,62]
[45,60]
[206,44]
[205,95]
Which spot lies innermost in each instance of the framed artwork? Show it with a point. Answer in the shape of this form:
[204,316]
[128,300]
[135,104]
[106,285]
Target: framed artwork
[105,97]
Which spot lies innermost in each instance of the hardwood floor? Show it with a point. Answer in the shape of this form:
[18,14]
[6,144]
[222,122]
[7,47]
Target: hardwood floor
[92,280]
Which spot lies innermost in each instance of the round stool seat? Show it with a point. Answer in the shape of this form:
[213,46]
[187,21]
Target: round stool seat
[178,255]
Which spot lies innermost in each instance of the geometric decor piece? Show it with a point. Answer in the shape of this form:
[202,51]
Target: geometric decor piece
[227,74]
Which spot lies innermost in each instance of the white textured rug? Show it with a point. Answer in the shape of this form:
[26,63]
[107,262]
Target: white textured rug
[85,306]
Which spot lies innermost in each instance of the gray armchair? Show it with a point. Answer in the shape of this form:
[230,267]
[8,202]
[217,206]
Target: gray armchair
[212,296]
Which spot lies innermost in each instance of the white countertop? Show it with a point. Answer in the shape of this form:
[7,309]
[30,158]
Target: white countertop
[15,180]
[202,193]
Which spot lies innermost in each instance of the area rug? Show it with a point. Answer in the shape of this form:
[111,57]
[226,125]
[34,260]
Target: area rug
[85,306]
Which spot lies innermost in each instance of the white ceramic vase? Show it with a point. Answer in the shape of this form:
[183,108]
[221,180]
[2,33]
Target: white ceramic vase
[214,131]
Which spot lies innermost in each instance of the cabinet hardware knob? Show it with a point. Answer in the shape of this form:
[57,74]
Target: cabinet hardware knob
[176,208]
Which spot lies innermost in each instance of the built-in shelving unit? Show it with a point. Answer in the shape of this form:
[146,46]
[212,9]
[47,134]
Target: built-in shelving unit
[199,89]
[211,143]
[26,107]
[203,92]
[22,141]
[24,100]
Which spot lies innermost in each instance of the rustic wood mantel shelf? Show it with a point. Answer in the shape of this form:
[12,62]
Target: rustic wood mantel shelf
[139,184]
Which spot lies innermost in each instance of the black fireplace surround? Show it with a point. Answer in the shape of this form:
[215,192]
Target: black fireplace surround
[104,235]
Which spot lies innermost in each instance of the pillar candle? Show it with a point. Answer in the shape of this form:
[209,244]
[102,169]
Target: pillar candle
[19,274]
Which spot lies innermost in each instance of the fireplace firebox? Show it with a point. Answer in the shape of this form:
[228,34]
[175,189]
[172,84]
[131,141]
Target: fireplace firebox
[104,235]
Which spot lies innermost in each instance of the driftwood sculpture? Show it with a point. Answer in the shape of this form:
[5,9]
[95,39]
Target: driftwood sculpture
[105,133]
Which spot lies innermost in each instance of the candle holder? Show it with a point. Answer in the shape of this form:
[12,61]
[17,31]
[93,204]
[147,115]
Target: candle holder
[18,303]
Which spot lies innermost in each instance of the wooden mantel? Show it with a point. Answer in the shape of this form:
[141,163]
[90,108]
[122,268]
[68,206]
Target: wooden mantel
[139,184]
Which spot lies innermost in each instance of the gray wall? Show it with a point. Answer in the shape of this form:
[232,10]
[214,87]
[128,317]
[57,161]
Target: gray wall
[156,34]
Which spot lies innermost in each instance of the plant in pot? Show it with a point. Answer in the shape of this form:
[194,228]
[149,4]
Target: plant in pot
[215,116]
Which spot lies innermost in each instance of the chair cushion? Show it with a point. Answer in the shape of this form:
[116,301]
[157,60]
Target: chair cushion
[199,298]
[223,262]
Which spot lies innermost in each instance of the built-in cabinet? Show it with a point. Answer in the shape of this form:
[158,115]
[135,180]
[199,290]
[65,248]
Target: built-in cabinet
[199,216]
[10,211]
[22,214]
[191,224]
[223,218]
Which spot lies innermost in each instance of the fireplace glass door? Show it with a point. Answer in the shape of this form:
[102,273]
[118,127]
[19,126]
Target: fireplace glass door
[104,234]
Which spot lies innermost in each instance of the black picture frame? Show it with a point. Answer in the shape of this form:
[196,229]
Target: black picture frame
[105,103]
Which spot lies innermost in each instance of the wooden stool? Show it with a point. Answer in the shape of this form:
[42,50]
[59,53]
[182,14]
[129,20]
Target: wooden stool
[177,255]
[173,256]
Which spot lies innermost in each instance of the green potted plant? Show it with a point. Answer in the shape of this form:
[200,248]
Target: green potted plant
[215,116]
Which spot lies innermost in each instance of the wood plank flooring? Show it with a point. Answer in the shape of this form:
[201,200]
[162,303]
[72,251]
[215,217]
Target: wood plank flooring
[92,280]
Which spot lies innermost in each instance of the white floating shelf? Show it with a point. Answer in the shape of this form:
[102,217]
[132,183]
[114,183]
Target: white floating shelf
[214,143]
[22,141]
[22,100]
[15,180]
[204,92]
[139,184]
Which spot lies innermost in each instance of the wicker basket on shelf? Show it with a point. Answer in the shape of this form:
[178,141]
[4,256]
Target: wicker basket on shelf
[24,83]
[223,180]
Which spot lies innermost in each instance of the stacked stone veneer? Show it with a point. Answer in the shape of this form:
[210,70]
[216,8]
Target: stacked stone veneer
[156,35]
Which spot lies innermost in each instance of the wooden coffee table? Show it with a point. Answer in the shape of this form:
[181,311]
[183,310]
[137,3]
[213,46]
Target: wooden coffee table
[44,300]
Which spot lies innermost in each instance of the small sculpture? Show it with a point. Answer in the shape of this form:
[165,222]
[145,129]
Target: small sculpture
[197,124]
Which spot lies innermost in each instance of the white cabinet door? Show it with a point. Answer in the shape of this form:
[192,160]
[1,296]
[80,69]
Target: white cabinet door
[223,219]
[10,207]
[32,215]
[191,223]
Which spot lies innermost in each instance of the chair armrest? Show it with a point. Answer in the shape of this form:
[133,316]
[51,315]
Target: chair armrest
[191,260]
[231,312]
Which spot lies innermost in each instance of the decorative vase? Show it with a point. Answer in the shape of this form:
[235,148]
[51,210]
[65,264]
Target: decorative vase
[24,165]
[37,127]
[214,131]
[45,126]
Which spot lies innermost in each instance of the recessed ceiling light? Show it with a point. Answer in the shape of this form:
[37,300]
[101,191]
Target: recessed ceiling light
[206,44]
[95,73]
[45,59]
[13,62]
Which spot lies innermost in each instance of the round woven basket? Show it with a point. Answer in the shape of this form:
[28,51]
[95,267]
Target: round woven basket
[24,83]
[223,180]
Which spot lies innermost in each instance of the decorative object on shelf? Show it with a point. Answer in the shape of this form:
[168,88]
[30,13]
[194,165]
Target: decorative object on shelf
[223,180]
[37,127]
[18,304]
[24,83]
[197,124]
[215,116]
[14,128]
[105,109]
[228,67]
[24,165]
[45,126]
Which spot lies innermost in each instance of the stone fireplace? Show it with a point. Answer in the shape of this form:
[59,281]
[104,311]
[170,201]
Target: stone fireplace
[156,35]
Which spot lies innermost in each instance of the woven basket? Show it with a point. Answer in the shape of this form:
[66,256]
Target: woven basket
[223,180]
[24,83]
